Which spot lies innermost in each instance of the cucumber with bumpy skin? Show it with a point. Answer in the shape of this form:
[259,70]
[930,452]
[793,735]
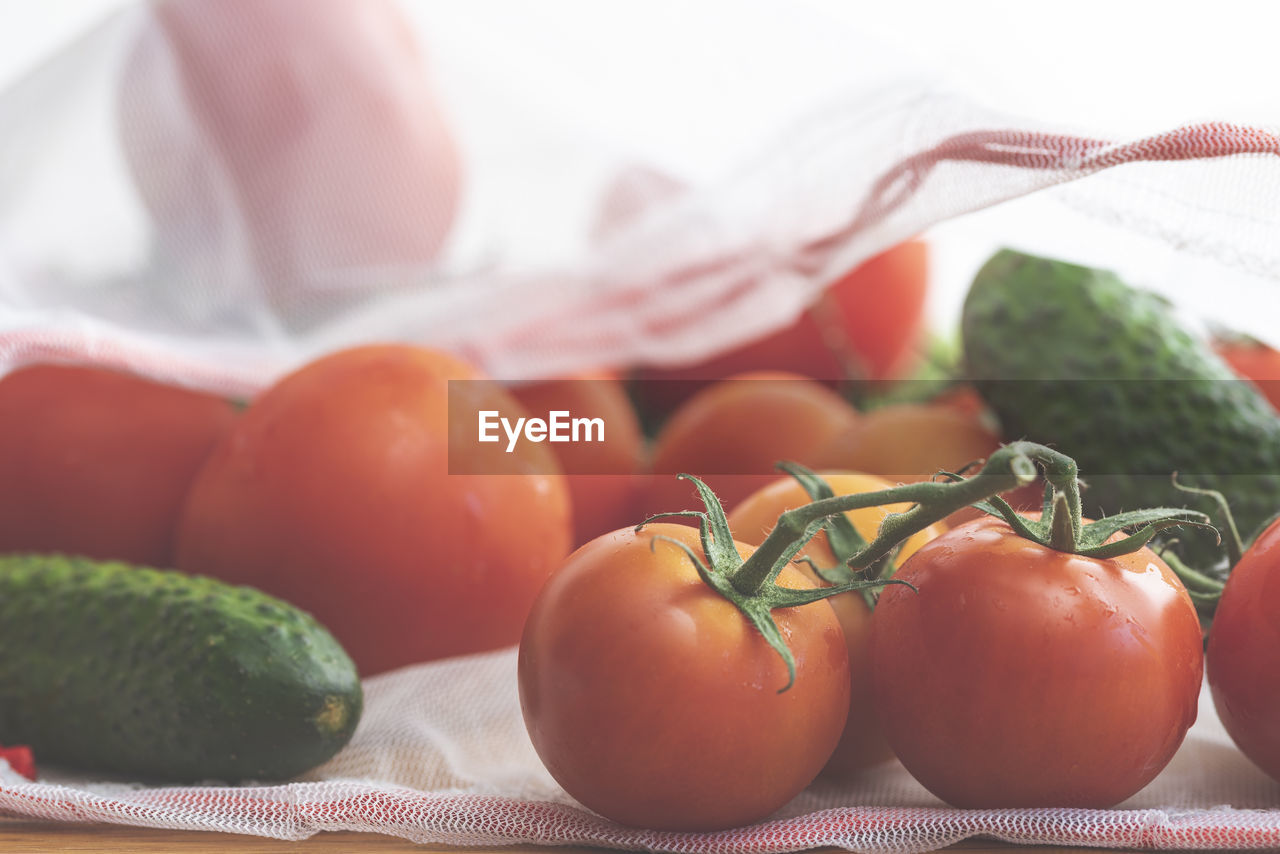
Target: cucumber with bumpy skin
[1073,357]
[164,676]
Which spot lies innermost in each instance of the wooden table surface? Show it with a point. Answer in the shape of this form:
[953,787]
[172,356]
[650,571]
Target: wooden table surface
[24,836]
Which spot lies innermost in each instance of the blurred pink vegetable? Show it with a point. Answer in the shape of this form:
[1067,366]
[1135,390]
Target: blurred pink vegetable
[306,132]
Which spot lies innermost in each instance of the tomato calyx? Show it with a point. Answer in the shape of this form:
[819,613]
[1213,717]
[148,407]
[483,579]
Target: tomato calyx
[751,584]
[1059,526]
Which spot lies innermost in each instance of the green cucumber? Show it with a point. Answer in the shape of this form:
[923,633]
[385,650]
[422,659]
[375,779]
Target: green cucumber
[1073,357]
[159,675]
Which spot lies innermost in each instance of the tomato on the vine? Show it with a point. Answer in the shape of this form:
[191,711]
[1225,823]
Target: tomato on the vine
[337,491]
[1066,680]
[1067,659]
[654,701]
[1244,652]
[862,744]
[97,462]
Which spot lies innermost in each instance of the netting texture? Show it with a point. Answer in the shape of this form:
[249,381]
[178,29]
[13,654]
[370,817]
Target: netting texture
[135,233]
[442,756]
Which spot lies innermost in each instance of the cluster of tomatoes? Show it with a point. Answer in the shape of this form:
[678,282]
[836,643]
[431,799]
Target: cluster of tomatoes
[1006,674]
[330,490]
[1003,672]
[333,488]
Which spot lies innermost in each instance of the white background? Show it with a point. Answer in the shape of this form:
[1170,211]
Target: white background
[1115,68]
[1127,67]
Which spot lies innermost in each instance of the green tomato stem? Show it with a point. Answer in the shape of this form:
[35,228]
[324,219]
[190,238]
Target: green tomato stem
[1008,467]
[751,584]
[1063,530]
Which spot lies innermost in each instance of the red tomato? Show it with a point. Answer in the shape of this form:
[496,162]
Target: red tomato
[732,433]
[97,463]
[334,492]
[1066,681]
[653,701]
[1254,361]
[964,398]
[1244,652]
[862,744]
[865,325]
[604,477]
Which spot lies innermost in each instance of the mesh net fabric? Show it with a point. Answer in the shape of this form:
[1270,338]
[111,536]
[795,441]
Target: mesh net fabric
[441,756]
[128,239]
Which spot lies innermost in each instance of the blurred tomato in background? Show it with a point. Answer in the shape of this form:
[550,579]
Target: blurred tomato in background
[335,492]
[1253,360]
[910,442]
[864,326]
[732,433]
[97,463]
[603,476]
